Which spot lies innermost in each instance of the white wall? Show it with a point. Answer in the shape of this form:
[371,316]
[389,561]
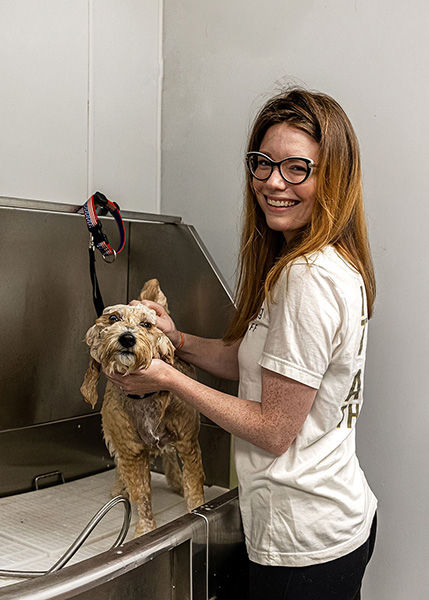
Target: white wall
[221,61]
[43,100]
[80,100]
[125,91]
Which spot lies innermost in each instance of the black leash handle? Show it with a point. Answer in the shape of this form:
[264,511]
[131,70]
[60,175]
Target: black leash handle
[96,293]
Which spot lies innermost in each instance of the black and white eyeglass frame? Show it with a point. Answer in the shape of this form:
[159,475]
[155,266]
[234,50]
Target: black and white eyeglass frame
[308,161]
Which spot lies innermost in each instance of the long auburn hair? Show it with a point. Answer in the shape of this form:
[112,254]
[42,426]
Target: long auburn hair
[337,218]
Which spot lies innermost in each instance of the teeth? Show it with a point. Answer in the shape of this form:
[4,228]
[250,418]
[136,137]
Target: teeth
[283,203]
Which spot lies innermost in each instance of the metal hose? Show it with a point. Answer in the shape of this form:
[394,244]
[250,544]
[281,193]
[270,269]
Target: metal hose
[80,540]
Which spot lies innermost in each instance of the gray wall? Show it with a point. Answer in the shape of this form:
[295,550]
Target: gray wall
[221,61]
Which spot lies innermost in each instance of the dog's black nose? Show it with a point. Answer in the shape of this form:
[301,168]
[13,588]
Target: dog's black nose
[127,340]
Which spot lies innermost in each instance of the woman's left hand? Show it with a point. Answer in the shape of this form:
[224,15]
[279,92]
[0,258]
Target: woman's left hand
[143,381]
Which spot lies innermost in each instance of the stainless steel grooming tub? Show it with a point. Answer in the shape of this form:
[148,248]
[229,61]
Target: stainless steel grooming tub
[48,434]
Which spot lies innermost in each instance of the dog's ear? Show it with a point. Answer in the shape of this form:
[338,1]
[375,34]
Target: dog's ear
[152,291]
[91,335]
[89,386]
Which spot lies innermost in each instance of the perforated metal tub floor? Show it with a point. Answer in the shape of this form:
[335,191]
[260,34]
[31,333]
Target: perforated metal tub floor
[37,527]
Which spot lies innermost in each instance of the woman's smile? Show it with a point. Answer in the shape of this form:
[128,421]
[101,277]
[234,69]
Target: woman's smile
[276,202]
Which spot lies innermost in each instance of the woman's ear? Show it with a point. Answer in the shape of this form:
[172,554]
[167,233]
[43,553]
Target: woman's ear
[89,386]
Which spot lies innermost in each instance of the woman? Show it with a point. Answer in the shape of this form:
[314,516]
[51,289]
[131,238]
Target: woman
[297,344]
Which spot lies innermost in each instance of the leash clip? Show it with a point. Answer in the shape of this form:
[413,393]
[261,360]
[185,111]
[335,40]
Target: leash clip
[109,258]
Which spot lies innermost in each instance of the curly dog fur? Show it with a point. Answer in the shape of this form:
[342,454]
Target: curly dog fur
[125,338]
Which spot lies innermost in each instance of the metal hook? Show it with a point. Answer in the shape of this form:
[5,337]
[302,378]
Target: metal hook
[111,257]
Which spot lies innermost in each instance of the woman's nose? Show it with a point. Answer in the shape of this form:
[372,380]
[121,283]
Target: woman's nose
[275,180]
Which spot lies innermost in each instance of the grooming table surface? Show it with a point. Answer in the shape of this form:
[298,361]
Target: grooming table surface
[38,527]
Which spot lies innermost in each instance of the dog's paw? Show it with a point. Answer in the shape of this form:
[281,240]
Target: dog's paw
[144,527]
[119,490]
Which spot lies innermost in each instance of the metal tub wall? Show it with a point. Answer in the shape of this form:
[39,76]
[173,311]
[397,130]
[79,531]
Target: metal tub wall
[45,426]
[200,556]
[46,303]
[45,299]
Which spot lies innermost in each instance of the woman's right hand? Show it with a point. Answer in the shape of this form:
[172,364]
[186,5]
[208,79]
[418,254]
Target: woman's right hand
[163,320]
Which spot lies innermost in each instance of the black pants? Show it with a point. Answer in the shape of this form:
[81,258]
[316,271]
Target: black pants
[338,579]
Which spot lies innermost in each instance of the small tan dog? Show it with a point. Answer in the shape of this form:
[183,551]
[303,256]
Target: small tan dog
[136,429]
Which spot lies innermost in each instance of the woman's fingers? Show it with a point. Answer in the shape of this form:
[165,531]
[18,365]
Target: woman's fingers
[142,380]
[149,303]
[160,310]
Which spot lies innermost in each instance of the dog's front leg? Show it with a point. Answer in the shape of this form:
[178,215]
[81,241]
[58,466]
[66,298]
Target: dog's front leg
[135,473]
[192,472]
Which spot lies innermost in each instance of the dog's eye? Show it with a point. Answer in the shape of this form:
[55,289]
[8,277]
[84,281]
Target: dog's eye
[146,324]
[114,318]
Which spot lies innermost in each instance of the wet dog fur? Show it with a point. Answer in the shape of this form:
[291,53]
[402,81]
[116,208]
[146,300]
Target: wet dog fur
[125,338]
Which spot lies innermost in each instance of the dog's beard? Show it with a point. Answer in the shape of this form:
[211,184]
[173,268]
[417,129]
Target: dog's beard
[114,357]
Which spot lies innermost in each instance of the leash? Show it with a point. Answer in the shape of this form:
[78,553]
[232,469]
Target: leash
[98,239]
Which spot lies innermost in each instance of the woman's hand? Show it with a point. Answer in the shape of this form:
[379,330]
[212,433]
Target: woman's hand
[163,320]
[143,381]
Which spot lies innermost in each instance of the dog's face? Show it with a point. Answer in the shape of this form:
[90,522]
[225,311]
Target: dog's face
[125,338]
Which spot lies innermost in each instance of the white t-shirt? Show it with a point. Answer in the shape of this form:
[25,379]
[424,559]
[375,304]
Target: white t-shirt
[312,504]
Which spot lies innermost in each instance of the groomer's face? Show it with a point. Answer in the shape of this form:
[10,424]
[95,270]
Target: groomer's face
[287,207]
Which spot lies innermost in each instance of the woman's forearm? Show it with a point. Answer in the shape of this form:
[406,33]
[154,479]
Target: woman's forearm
[212,355]
[271,424]
[240,417]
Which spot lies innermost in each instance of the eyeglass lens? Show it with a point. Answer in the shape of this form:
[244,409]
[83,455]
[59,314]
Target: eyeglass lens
[294,170]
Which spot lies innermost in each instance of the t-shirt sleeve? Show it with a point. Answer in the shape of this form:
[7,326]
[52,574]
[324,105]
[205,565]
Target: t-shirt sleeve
[305,319]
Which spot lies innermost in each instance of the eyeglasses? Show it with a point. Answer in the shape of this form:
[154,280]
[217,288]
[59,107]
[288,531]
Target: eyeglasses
[293,169]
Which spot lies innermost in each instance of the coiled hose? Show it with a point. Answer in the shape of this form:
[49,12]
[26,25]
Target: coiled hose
[80,540]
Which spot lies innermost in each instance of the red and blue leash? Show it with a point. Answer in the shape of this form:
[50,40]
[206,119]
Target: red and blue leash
[99,240]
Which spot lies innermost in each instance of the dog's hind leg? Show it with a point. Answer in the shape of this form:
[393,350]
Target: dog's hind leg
[192,472]
[119,488]
[135,473]
[172,470]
